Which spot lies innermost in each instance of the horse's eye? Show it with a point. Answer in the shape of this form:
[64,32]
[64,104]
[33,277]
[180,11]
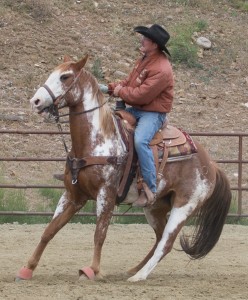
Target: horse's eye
[64,77]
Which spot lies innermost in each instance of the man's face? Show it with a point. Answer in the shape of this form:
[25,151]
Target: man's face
[147,45]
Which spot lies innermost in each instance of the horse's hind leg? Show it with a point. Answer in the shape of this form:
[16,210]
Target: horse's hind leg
[64,212]
[157,219]
[175,222]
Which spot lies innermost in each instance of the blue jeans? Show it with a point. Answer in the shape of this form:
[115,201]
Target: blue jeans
[148,123]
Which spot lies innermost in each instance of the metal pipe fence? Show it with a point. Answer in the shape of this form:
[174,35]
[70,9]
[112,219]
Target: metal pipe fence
[240,161]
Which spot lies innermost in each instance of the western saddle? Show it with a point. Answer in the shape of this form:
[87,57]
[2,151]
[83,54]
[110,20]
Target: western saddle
[167,137]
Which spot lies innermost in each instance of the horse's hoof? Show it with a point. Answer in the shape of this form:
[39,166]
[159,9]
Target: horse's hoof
[134,279]
[137,277]
[86,273]
[24,274]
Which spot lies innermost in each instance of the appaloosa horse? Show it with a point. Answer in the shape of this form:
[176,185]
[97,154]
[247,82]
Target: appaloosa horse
[193,187]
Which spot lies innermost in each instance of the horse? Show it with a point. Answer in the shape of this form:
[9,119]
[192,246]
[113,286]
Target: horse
[194,187]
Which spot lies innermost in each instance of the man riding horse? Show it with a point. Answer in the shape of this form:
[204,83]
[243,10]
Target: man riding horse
[149,91]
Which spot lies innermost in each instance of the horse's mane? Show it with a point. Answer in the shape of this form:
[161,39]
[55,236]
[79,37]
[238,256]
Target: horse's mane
[105,115]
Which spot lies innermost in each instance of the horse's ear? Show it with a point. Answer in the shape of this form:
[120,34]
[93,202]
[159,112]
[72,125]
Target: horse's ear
[80,64]
[67,58]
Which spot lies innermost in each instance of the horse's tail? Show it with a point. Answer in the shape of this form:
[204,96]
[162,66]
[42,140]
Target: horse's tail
[210,219]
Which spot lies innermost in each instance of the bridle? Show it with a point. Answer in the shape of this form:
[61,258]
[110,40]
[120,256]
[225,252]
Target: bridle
[53,109]
[56,100]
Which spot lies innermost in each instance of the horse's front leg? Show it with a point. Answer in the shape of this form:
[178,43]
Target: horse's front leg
[105,207]
[64,212]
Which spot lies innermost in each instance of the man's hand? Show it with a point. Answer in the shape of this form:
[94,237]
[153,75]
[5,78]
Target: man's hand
[116,90]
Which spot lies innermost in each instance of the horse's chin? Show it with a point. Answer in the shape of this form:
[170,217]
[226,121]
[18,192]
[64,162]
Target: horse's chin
[47,116]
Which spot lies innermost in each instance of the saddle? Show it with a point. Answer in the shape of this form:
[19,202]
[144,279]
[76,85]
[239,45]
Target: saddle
[169,142]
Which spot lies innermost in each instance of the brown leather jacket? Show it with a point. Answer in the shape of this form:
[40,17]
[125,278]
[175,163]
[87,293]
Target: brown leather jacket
[150,86]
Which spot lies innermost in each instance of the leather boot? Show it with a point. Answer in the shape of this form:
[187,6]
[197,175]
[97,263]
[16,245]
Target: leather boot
[141,201]
[146,197]
[151,197]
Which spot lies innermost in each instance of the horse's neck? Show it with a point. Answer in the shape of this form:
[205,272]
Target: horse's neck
[87,136]
[80,130]
[93,132]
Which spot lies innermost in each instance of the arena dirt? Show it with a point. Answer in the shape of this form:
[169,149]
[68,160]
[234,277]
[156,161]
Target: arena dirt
[220,275]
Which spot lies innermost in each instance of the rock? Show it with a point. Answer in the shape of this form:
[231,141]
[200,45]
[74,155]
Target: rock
[245,104]
[204,42]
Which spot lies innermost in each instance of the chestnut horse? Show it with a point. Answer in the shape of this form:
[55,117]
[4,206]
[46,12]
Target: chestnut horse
[193,187]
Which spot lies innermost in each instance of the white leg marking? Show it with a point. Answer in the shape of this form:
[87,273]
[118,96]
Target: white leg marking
[60,206]
[101,199]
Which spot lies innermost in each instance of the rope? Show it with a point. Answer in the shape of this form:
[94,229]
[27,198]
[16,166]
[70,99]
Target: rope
[62,136]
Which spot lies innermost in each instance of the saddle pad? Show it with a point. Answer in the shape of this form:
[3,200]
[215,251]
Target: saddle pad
[187,148]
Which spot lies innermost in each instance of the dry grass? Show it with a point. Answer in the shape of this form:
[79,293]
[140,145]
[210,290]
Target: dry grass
[38,9]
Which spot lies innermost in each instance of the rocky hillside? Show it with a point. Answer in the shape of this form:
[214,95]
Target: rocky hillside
[36,34]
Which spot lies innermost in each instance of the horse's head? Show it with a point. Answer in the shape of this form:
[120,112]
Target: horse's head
[61,88]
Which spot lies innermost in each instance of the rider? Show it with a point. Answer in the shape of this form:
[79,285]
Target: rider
[149,91]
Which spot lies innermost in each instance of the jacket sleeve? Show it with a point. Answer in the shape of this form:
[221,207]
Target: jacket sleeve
[112,85]
[124,82]
[152,86]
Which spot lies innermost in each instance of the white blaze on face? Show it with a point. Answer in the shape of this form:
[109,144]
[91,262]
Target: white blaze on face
[54,82]
[61,204]
[42,98]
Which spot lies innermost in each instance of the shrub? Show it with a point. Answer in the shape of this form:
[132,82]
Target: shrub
[97,69]
[182,48]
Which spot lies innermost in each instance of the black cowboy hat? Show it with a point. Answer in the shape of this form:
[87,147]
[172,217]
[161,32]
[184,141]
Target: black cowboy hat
[155,33]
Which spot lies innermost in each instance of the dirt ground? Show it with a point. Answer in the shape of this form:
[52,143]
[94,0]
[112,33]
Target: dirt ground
[220,275]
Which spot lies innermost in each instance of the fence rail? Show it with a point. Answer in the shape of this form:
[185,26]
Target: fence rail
[239,161]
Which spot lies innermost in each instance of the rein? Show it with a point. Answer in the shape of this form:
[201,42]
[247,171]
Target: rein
[83,112]
[54,111]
